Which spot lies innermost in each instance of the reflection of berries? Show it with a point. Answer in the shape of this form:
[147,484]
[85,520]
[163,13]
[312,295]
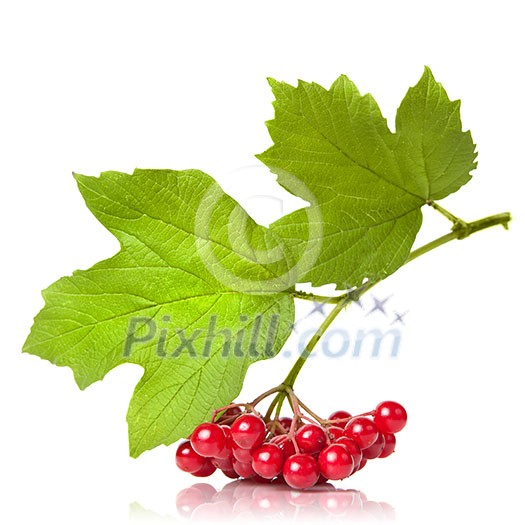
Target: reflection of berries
[253,503]
[297,451]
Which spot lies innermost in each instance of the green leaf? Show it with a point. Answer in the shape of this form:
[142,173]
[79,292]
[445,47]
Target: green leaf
[192,267]
[367,183]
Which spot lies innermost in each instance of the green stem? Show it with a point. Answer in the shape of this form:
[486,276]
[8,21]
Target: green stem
[460,230]
[279,404]
[343,301]
[257,400]
[277,401]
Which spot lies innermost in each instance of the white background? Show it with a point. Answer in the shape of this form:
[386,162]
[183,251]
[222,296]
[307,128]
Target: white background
[99,85]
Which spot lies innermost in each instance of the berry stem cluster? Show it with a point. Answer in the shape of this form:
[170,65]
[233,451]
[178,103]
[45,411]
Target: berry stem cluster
[301,451]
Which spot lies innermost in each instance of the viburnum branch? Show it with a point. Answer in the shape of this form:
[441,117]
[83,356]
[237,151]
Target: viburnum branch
[199,231]
[461,230]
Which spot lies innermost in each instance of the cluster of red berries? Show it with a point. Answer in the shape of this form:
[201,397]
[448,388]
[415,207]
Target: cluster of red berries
[242,445]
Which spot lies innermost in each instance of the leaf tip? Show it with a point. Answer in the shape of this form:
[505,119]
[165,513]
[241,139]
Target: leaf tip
[133,451]
[427,71]
[341,79]
[80,179]
[81,381]
[273,83]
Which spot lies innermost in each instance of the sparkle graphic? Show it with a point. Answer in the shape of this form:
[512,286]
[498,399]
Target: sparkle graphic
[379,305]
[318,307]
[399,318]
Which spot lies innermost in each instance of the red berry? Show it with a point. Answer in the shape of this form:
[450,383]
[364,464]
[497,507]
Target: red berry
[286,422]
[335,462]
[301,471]
[187,459]
[335,432]
[268,460]
[227,452]
[208,440]
[206,470]
[362,464]
[311,439]
[362,430]
[244,470]
[322,480]
[285,445]
[222,463]
[390,445]
[340,414]
[230,474]
[390,417]
[248,431]
[241,454]
[227,431]
[352,447]
[375,450]
[229,413]
[288,448]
